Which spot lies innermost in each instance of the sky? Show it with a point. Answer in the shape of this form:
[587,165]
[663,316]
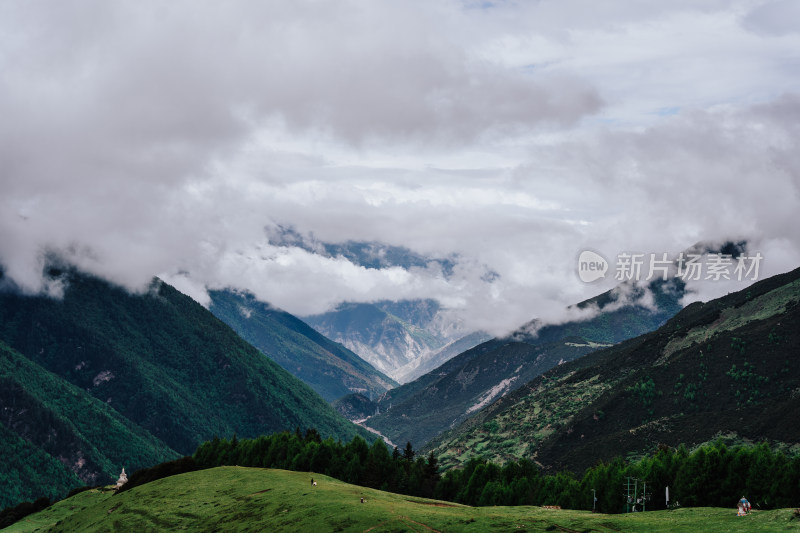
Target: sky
[171,139]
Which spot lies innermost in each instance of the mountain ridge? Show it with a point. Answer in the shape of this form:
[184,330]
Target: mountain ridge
[720,367]
[328,367]
[389,335]
[159,360]
[463,385]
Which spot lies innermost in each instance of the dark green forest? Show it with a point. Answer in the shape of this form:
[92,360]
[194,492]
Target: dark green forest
[712,475]
[56,436]
[103,378]
[329,368]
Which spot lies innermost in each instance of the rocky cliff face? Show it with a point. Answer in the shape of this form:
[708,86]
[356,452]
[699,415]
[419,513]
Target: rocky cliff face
[395,337]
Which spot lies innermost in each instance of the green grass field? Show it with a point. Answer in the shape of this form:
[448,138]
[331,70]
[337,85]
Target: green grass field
[252,499]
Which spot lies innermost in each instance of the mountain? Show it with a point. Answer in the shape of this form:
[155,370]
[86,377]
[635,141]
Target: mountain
[392,336]
[722,368]
[355,407]
[159,360]
[369,254]
[467,383]
[329,368]
[55,436]
[428,361]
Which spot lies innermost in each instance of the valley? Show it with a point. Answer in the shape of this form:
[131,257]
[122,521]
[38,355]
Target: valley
[561,396]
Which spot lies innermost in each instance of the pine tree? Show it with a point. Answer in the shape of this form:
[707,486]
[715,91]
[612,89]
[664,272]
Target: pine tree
[408,453]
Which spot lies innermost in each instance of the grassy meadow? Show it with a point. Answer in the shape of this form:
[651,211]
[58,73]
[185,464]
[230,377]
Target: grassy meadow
[253,499]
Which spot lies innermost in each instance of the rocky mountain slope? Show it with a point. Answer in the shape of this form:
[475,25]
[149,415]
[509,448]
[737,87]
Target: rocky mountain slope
[395,337]
[467,383]
[722,368]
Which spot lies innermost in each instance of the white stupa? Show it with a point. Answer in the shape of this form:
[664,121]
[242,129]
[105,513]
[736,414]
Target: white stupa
[123,478]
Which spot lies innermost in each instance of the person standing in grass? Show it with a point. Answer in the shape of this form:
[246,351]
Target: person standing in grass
[745,504]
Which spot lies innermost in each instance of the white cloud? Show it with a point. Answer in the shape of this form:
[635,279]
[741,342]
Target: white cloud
[149,138]
[774,18]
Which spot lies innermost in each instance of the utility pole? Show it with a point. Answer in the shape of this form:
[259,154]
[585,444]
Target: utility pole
[629,499]
[644,497]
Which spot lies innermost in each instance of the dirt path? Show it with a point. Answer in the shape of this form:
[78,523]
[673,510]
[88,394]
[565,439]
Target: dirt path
[375,431]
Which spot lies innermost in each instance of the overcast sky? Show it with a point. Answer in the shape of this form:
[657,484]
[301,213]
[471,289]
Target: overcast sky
[168,138]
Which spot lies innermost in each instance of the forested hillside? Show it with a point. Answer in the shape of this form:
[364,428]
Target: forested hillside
[55,436]
[467,383]
[725,367]
[156,365]
[327,367]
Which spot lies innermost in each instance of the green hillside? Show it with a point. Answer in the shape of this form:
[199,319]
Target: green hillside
[467,383]
[329,368]
[251,499]
[158,359]
[55,436]
[355,406]
[723,368]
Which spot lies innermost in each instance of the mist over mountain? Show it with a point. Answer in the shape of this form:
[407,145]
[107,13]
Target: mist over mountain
[393,335]
[373,254]
[471,381]
[719,369]
[419,180]
[481,148]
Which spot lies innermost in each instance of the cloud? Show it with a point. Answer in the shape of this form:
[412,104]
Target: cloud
[145,138]
[774,18]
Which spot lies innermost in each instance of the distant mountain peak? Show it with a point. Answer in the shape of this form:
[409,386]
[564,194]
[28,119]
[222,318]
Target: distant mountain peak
[390,335]
[369,254]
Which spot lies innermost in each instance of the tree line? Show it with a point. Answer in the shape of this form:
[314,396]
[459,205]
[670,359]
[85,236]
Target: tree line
[355,462]
[712,475]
